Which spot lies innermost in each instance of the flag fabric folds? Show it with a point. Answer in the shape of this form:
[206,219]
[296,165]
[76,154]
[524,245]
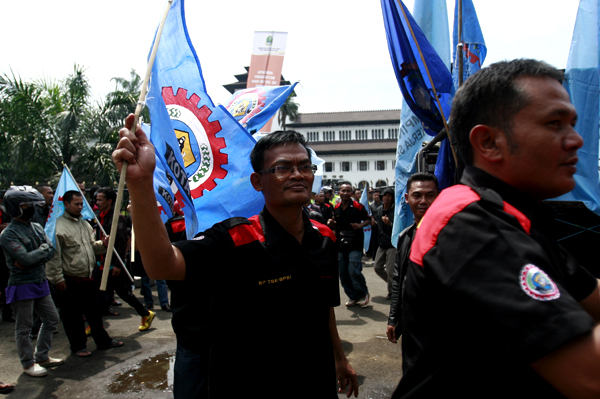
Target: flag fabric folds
[201,145]
[432,17]
[368,228]
[253,107]
[582,82]
[66,183]
[409,49]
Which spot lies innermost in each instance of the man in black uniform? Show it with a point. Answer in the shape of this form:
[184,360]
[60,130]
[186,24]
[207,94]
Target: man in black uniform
[349,218]
[258,272]
[422,190]
[494,307]
[383,218]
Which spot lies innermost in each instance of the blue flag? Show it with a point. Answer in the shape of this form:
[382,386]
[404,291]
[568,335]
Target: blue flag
[582,82]
[432,16]
[209,151]
[367,229]
[418,67]
[474,49]
[253,107]
[66,183]
[474,52]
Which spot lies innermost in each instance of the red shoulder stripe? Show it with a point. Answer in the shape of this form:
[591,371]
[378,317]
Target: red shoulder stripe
[246,233]
[523,220]
[357,205]
[324,230]
[178,225]
[450,202]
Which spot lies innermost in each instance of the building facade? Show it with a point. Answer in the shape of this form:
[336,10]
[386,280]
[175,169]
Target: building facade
[357,146]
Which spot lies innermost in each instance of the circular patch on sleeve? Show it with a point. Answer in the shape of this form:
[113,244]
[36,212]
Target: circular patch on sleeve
[537,284]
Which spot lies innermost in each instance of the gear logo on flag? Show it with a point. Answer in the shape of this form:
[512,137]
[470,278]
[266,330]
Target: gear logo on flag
[199,146]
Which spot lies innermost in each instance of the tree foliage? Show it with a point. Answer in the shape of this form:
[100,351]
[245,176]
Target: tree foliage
[45,124]
[289,110]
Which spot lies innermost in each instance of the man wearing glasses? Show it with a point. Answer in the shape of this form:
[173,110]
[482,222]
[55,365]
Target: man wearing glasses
[272,278]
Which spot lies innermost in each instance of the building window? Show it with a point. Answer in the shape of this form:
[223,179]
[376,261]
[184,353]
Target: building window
[345,166]
[363,166]
[394,164]
[377,134]
[329,167]
[345,135]
[313,136]
[361,134]
[392,133]
[328,136]
[379,165]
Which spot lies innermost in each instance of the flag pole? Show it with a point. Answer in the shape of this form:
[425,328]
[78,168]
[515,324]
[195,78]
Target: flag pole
[138,110]
[460,45]
[429,76]
[97,221]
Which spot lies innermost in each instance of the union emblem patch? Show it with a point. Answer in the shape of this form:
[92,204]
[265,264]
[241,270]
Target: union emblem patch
[537,284]
[199,146]
[247,104]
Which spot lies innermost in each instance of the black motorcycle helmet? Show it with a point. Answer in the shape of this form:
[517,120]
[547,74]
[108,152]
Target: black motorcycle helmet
[17,195]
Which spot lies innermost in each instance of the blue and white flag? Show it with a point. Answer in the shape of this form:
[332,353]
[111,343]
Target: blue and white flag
[208,149]
[432,17]
[66,183]
[582,81]
[420,71]
[368,228]
[253,107]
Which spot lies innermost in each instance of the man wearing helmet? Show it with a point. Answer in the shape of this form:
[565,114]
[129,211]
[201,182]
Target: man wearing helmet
[27,248]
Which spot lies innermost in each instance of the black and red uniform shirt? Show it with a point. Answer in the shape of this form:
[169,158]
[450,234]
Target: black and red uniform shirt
[487,293]
[270,298]
[354,213]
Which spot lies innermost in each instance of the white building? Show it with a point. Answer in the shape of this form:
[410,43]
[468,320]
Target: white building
[358,146]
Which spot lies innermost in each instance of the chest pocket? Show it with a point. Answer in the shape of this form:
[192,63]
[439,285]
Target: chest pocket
[71,243]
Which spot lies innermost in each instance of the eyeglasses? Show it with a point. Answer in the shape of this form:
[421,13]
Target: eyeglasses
[286,170]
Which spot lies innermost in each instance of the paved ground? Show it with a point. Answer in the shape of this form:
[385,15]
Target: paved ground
[141,368]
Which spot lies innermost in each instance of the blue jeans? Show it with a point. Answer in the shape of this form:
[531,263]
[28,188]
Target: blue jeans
[351,277]
[23,311]
[161,287]
[191,374]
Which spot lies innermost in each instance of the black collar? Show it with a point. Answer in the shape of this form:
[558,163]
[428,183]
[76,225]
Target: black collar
[273,231]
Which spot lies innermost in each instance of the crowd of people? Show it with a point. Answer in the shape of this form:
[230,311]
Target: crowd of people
[483,298]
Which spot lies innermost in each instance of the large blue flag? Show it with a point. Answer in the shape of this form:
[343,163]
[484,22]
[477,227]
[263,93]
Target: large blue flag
[211,148]
[473,55]
[418,67]
[367,229]
[432,17]
[66,183]
[582,82]
[253,107]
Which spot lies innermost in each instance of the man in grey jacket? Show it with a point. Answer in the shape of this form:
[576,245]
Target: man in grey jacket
[71,273]
[27,249]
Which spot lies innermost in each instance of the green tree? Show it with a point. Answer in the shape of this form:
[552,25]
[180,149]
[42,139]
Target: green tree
[289,110]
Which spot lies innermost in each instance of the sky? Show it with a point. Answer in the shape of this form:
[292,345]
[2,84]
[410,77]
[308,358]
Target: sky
[336,49]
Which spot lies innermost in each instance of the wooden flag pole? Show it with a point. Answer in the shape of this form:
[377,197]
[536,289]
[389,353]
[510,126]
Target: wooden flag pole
[429,76]
[98,223]
[460,45]
[138,110]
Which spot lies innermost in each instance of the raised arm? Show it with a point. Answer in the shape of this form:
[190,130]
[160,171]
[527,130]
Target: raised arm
[162,261]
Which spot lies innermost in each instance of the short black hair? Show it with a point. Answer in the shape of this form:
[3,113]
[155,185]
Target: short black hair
[109,194]
[68,196]
[492,97]
[348,183]
[422,176]
[275,139]
[40,186]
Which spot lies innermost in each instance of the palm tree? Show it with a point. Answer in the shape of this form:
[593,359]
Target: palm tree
[289,110]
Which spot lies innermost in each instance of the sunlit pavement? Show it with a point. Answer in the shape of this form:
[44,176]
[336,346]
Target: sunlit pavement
[142,368]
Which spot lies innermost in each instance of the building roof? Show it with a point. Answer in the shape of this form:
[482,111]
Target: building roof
[347,118]
[243,81]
